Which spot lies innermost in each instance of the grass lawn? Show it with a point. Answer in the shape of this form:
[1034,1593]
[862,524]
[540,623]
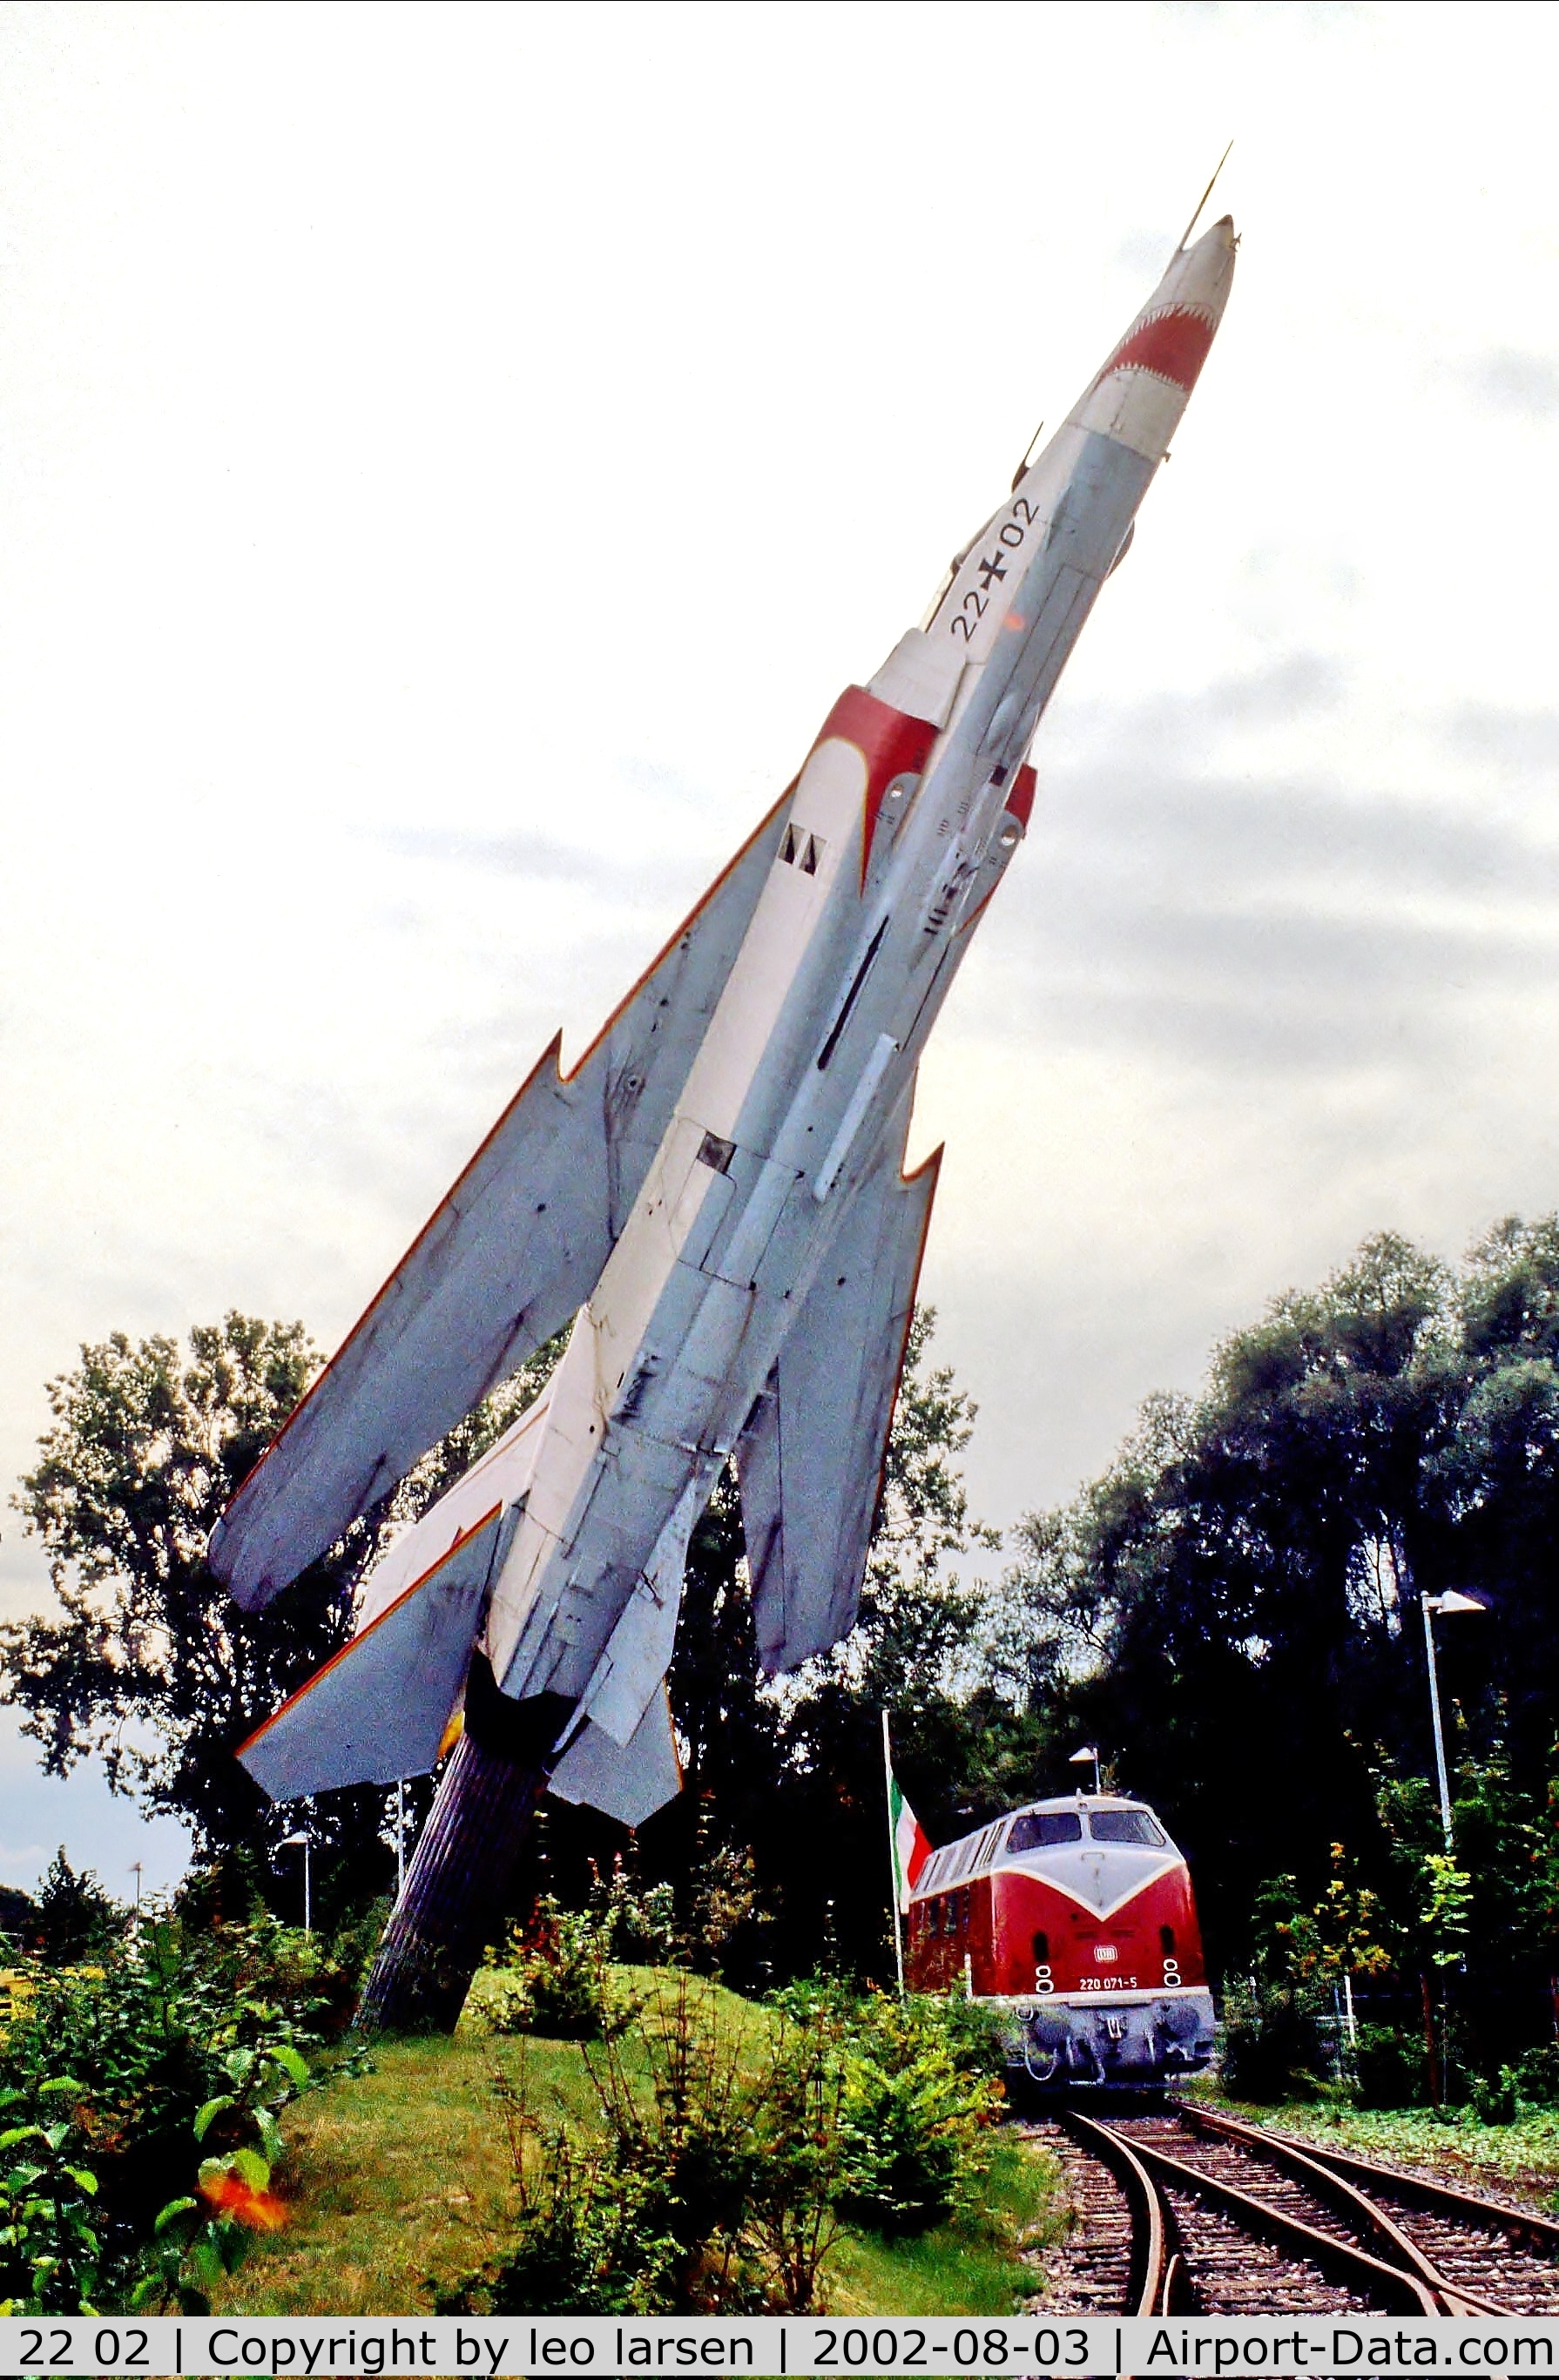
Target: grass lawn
[400,2180]
[1520,2160]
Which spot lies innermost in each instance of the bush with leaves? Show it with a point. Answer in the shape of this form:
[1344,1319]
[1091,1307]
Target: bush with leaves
[654,2220]
[198,2241]
[1390,2066]
[582,2239]
[553,1976]
[729,2161]
[1274,2047]
[50,2245]
[914,2115]
[714,2186]
[114,2079]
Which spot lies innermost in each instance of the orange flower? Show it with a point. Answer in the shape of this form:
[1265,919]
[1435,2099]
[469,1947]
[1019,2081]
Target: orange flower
[258,2210]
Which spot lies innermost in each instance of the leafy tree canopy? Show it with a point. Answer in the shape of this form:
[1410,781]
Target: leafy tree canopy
[1235,1604]
[147,1662]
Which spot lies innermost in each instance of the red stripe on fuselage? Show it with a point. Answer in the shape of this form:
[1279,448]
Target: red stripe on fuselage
[1172,345]
[891,743]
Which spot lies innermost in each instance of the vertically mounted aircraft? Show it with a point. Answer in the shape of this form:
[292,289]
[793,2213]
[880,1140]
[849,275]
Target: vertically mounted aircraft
[714,1197]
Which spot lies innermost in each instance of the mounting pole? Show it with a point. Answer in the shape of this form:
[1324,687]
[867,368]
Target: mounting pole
[895,1886]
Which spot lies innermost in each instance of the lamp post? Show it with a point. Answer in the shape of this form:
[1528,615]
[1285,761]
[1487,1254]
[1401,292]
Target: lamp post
[1450,1601]
[288,1842]
[1081,1758]
[135,1872]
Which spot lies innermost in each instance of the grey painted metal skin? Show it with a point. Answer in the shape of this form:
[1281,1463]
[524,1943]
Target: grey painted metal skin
[1134,2042]
[715,1191]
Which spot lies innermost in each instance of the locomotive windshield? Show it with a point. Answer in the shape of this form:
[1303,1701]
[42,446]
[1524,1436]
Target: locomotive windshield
[1037,1829]
[1123,1827]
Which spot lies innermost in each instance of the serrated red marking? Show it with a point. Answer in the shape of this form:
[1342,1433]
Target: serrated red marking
[1172,345]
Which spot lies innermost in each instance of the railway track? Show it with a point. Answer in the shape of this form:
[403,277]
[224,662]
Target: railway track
[1185,2211]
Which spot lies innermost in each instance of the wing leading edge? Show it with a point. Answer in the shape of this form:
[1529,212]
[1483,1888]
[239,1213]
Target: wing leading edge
[380,1708]
[512,1252]
[809,1462]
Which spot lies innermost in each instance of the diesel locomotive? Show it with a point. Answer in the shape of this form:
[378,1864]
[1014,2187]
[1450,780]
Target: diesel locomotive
[1076,1919]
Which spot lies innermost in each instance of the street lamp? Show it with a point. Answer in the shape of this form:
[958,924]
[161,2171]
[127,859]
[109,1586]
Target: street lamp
[1081,1758]
[135,1870]
[289,1842]
[1450,1601]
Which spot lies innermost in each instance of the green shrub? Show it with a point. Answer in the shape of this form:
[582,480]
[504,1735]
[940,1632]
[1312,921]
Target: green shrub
[113,2081]
[654,2220]
[920,2085]
[553,1976]
[1494,2098]
[584,2242]
[1536,2076]
[729,2160]
[1391,2063]
[50,2243]
[1272,2046]
[915,2110]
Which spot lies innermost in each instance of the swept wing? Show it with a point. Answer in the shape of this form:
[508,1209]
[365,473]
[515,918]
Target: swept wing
[379,1710]
[512,1252]
[809,1462]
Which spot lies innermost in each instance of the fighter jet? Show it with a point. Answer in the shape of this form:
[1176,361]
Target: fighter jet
[713,1194]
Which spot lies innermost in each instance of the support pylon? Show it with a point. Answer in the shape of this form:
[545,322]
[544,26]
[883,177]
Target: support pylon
[458,1885]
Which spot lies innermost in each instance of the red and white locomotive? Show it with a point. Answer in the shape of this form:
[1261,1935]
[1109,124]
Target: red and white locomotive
[1076,1916]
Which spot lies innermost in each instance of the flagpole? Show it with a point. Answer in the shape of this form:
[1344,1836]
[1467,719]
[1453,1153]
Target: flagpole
[893,1853]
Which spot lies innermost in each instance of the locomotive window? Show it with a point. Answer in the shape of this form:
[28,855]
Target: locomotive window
[1167,1939]
[1123,1827]
[1042,1949]
[1037,1829]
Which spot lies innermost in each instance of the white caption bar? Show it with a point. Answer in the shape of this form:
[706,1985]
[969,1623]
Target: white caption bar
[601,2343]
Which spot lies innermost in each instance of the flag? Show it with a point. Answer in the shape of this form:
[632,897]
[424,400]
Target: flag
[911,1846]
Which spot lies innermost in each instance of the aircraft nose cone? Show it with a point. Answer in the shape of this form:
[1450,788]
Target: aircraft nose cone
[1201,275]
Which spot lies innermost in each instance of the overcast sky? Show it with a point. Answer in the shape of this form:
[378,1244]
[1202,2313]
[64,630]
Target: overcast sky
[450,460]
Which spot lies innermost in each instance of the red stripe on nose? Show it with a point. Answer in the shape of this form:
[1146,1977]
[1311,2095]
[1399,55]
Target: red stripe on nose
[1173,345]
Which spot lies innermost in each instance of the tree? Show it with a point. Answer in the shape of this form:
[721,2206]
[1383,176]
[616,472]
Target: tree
[1229,1605]
[75,1918]
[148,1663]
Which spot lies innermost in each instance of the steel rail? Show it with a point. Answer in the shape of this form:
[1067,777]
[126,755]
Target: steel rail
[1313,2169]
[1533,2230]
[1158,2269]
[1390,2287]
